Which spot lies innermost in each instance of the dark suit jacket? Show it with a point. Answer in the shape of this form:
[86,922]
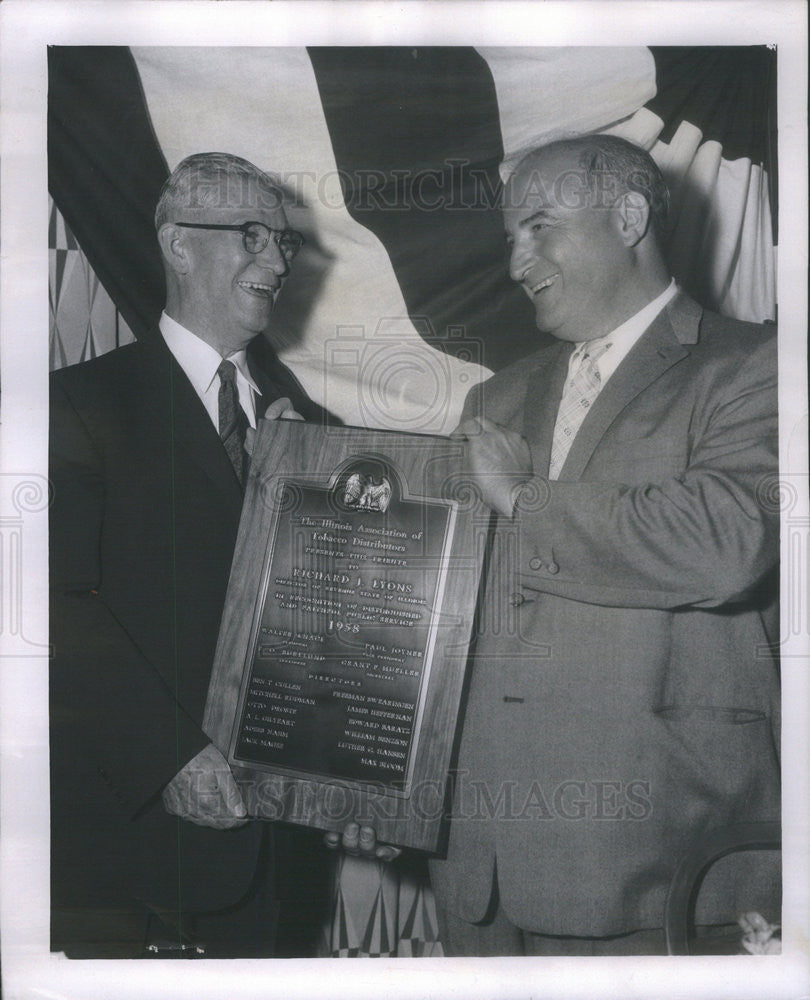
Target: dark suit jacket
[624,691]
[144,518]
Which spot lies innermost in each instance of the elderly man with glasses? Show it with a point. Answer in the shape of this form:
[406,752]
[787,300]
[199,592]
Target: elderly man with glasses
[152,853]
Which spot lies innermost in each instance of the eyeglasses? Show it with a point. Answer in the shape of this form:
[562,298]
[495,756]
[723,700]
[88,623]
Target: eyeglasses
[256,236]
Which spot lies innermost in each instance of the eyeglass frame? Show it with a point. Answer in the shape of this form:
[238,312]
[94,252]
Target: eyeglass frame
[274,234]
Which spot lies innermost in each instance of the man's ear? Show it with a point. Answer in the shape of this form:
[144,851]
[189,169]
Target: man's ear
[634,217]
[174,247]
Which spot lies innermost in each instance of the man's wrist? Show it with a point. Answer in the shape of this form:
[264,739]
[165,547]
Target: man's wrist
[530,496]
[520,491]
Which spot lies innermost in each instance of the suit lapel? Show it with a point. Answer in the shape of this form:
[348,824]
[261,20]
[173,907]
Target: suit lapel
[543,393]
[268,390]
[659,348]
[168,393]
[270,376]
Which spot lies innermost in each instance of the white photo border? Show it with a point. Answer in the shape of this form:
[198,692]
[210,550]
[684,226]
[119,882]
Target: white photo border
[27,28]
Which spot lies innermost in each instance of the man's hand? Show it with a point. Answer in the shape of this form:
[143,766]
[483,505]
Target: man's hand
[361,842]
[205,792]
[279,409]
[500,461]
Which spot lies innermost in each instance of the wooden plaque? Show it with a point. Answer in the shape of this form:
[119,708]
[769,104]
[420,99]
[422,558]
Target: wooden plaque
[346,628]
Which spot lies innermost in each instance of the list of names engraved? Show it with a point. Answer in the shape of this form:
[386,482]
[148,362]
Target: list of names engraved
[342,646]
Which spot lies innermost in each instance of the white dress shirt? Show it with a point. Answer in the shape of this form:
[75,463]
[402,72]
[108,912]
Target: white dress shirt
[623,337]
[200,363]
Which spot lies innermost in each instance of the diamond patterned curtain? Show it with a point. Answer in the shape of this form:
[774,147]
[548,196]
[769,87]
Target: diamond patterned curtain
[84,321]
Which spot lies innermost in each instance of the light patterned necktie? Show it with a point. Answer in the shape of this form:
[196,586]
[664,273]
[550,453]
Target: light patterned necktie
[581,389]
[233,423]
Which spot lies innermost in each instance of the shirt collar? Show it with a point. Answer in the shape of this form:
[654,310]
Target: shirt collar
[197,358]
[626,334]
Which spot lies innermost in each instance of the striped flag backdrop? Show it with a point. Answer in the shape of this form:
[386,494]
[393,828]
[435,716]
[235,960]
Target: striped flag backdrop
[391,160]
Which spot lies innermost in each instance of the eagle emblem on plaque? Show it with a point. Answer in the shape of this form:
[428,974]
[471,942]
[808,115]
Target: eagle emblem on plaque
[364,492]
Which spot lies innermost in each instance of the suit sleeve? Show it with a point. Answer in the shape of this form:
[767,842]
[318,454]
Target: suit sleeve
[111,711]
[702,539]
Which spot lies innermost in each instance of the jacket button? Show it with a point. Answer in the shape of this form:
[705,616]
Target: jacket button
[535,563]
[516,600]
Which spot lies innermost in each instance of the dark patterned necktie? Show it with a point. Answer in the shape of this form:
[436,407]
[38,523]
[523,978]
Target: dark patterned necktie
[233,423]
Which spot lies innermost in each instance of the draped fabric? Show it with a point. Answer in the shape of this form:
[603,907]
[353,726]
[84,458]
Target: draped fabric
[391,161]
[84,320]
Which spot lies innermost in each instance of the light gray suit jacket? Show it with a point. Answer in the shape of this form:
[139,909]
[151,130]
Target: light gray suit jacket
[624,690]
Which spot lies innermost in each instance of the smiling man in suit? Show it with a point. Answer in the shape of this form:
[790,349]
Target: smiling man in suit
[150,841]
[624,694]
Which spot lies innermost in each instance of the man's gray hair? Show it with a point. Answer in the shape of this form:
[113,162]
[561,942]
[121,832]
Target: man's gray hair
[612,164]
[214,180]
